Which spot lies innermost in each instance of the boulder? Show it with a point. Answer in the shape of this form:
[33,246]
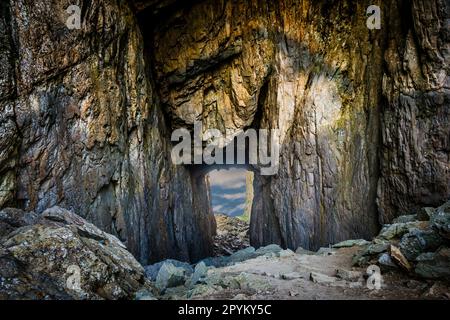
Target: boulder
[216,262]
[440,221]
[386,263]
[397,230]
[242,255]
[200,272]
[320,278]
[59,255]
[169,276]
[151,271]
[418,241]
[434,265]
[376,248]
[373,250]
[399,258]
[272,248]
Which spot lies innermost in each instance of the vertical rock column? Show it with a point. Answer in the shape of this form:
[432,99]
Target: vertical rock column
[9,134]
[416,117]
[324,97]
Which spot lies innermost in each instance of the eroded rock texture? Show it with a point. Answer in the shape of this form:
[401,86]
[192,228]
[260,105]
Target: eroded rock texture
[296,64]
[81,128]
[415,158]
[363,114]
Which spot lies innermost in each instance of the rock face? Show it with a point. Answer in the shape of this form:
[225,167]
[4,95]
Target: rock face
[363,115]
[81,128]
[232,235]
[42,256]
[415,122]
[294,66]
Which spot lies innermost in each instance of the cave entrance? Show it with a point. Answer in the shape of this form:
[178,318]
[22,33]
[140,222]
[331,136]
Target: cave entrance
[231,193]
[233,190]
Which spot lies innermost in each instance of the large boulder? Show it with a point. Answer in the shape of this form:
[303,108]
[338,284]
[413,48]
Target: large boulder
[59,255]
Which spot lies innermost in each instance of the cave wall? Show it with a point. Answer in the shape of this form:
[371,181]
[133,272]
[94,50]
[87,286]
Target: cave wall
[219,61]
[363,114]
[326,87]
[415,157]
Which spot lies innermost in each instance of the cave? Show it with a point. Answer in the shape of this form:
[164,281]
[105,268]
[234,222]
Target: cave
[357,118]
[320,161]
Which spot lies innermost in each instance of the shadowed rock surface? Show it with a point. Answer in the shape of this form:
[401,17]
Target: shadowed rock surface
[81,128]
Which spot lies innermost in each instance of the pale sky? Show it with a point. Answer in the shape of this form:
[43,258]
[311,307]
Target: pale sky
[228,191]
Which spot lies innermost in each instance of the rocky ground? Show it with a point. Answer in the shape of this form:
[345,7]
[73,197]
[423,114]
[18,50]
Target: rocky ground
[274,273]
[232,235]
[411,256]
[41,256]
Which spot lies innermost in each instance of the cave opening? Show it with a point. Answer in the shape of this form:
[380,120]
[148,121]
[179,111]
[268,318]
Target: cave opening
[249,161]
[231,194]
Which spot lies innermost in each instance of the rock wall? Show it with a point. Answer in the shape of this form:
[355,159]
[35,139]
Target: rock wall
[347,100]
[294,62]
[328,95]
[82,128]
[415,159]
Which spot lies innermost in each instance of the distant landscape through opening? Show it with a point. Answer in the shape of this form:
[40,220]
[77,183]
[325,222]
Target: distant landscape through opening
[231,199]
